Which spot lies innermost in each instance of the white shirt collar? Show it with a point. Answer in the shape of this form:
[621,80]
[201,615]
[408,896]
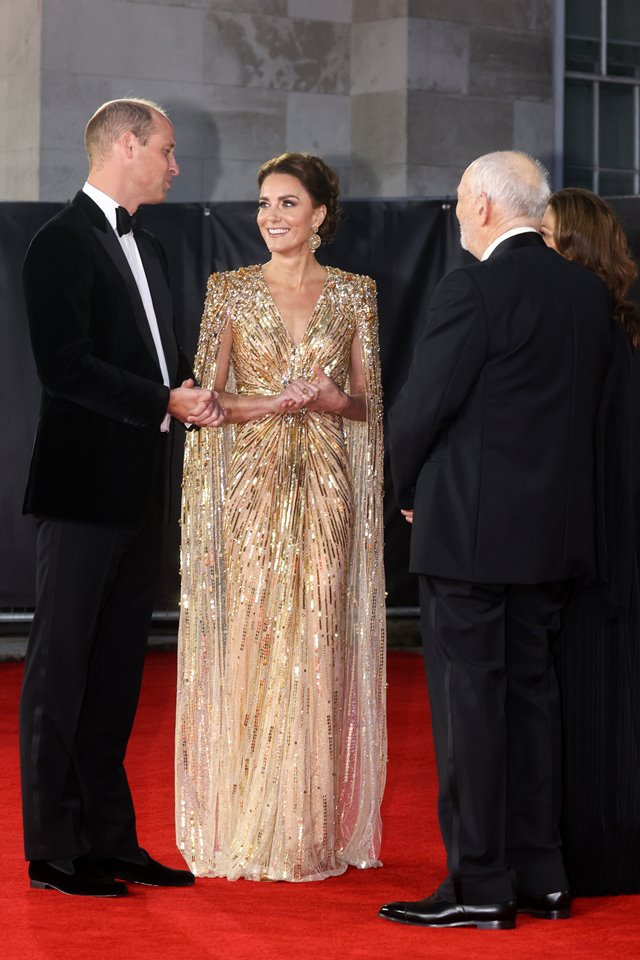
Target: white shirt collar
[106,203]
[503,236]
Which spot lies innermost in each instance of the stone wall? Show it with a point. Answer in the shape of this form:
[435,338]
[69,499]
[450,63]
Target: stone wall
[398,95]
[20,48]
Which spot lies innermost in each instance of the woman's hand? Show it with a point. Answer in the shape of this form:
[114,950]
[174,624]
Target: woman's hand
[296,395]
[329,397]
[408,515]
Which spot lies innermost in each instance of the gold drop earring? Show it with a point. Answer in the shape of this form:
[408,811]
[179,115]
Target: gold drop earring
[314,240]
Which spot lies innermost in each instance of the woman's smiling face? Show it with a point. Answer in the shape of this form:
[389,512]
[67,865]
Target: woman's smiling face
[286,214]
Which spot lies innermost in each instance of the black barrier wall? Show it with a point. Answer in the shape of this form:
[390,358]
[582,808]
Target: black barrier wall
[405,245]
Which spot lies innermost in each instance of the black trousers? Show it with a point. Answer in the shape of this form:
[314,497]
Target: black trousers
[94,599]
[496,724]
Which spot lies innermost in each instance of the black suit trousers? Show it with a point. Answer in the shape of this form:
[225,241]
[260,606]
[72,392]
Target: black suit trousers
[94,599]
[496,725]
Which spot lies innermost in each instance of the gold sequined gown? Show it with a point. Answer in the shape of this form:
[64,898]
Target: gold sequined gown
[281,738]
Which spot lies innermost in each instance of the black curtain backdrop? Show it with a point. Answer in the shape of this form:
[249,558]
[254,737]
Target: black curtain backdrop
[405,245]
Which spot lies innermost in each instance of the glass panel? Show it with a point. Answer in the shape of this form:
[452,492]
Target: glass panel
[616,126]
[583,17]
[623,19]
[616,184]
[582,56]
[623,59]
[623,40]
[578,177]
[578,124]
[583,24]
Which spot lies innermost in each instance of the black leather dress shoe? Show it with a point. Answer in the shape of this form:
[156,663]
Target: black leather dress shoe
[146,870]
[433,912]
[83,879]
[547,906]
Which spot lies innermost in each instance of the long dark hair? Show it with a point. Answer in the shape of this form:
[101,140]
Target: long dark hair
[587,230]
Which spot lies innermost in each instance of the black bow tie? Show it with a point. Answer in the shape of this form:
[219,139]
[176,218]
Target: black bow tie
[125,223]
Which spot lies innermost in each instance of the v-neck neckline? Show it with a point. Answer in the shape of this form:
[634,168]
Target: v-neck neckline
[295,346]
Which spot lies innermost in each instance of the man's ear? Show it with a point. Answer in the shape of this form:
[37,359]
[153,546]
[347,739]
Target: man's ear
[127,143]
[483,209]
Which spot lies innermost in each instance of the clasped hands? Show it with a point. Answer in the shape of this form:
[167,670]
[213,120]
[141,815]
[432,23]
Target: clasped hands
[320,395]
[196,406]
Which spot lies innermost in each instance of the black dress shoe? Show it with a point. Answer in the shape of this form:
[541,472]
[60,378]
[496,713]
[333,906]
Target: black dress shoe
[145,870]
[433,912]
[547,906]
[83,880]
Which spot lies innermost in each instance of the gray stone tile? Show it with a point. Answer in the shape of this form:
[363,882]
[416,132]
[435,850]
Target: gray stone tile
[338,11]
[533,129]
[367,10]
[320,124]
[224,121]
[438,56]
[20,111]
[378,179]
[279,7]
[62,173]
[68,101]
[379,127]
[20,52]
[225,179]
[510,64]
[379,56]
[278,53]
[519,14]
[20,37]
[341,165]
[121,38]
[19,174]
[453,131]
[430,181]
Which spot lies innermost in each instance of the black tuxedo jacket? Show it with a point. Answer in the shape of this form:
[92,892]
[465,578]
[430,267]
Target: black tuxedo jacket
[103,398]
[492,437]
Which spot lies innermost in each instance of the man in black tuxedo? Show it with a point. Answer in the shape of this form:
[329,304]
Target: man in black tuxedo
[112,376]
[492,457]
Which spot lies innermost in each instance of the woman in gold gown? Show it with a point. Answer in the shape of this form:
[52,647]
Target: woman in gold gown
[281,736]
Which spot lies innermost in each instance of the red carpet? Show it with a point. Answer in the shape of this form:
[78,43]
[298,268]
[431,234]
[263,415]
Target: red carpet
[332,920]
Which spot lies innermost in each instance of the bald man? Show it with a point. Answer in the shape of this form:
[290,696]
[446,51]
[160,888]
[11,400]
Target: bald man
[493,462]
[113,377]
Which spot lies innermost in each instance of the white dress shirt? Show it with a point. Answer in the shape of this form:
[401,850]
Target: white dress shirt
[503,236]
[131,252]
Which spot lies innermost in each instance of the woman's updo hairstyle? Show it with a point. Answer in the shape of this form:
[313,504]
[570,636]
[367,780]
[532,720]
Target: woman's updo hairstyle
[318,179]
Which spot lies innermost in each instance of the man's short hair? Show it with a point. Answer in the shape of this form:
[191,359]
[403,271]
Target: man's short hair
[521,189]
[116,117]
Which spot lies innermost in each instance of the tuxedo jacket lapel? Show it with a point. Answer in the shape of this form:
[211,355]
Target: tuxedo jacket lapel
[161,298]
[112,248]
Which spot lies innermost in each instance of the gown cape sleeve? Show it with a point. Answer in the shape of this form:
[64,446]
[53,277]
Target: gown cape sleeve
[202,631]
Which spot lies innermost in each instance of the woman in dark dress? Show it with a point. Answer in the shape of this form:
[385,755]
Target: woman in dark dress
[598,652]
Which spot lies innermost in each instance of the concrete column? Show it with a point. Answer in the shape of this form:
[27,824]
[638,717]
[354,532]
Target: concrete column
[436,83]
[20,71]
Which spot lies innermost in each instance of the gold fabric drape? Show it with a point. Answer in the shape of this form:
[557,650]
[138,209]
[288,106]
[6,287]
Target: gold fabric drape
[281,734]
